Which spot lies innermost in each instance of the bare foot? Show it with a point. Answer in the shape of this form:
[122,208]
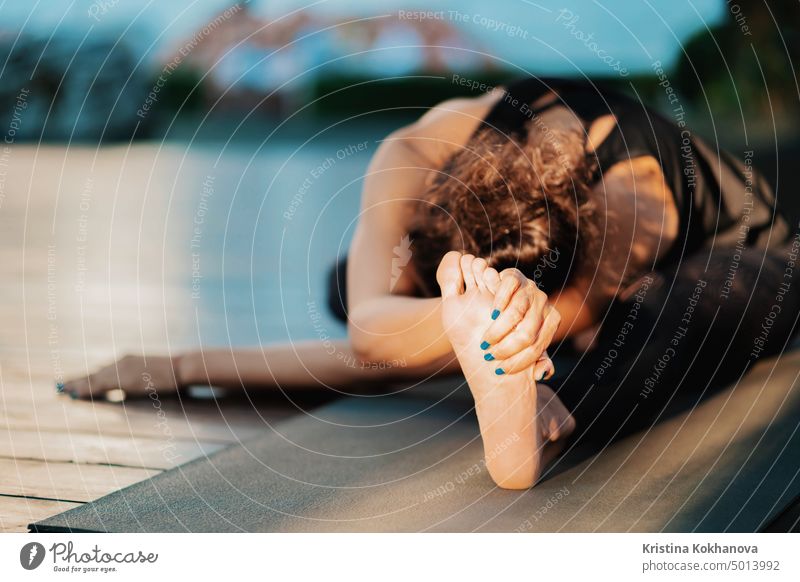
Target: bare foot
[467,285]
[466,313]
[516,421]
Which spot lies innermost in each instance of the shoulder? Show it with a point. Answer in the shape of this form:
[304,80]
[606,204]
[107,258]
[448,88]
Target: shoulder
[639,221]
[409,156]
[444,128]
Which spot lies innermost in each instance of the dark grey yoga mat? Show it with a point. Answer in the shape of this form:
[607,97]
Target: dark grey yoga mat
[414,464]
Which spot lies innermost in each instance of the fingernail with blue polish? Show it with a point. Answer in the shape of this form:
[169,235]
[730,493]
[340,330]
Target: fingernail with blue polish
[499,371]
[485,345]
[495,314]
[59,387]
[488,357]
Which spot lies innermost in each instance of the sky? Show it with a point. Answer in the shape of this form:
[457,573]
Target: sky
[561,36]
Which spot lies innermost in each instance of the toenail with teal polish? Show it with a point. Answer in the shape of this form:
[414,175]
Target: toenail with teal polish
[59,387]
[485,345]
[488,357]
[499,371]
[495,314]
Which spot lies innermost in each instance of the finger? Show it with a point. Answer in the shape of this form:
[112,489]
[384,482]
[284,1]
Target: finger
[511,316]
[543,368]
[532,354]
[547,332]
[519,362]
[552,368]
[536,351]
[80,388]
[492,279]
[510,281]
[523,334]
[479,266]
[466,272]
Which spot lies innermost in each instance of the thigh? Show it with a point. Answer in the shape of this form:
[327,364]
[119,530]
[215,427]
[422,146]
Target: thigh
[684,332]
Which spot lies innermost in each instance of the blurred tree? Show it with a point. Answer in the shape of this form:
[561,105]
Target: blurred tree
[79,91]
[752,58]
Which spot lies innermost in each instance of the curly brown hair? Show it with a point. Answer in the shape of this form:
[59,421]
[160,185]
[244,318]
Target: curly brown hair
[516,201]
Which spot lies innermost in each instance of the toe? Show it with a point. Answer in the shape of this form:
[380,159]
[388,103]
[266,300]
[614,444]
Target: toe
[466,272]
[449,275]
[492,279]
[478,267]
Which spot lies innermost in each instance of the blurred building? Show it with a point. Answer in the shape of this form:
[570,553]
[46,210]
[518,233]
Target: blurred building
[246,61]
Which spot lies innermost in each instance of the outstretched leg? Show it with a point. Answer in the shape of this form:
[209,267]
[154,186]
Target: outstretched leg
[516,424]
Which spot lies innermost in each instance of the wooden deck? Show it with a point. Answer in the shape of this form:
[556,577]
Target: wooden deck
[86,275]
[56,453]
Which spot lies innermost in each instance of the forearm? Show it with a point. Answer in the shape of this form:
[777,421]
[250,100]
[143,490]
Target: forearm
[222,367]
[512,437]
[400,328]
[297,364]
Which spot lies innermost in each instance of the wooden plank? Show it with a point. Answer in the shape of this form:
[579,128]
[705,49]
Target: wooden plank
[79,450]
[20,365]
[35,405]
[100,449]
[190,420]
[65,481]
[17,512]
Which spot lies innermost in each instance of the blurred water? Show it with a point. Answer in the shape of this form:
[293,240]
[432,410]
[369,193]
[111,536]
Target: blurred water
[274,225]
[149,247]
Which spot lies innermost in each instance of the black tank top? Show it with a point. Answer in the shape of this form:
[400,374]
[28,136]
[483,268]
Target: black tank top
[721,201]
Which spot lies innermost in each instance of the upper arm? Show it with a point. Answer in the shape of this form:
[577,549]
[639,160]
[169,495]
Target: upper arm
[378,254]
[397,176]
[639,224]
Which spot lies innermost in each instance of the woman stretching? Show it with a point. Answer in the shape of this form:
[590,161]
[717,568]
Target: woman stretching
[548,211]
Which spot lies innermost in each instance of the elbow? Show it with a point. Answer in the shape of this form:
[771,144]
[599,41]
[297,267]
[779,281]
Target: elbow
[362,351]
[365,347]
[369,349]
[369,344]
